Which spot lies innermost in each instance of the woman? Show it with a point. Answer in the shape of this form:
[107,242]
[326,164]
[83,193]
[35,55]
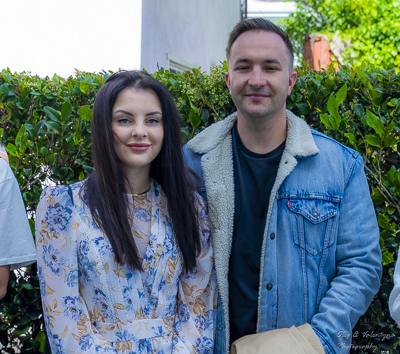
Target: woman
[124,257]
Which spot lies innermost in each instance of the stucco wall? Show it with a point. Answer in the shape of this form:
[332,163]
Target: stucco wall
[193,32]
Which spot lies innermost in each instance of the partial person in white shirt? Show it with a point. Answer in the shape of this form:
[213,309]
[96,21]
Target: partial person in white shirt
[17,248]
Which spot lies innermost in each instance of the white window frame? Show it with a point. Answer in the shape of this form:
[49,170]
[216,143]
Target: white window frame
[176,64]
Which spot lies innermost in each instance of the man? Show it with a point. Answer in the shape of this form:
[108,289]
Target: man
[295,232]
[16,242]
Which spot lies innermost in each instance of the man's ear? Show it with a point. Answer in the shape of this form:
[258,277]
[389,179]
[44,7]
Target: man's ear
[227,81]
[292,81]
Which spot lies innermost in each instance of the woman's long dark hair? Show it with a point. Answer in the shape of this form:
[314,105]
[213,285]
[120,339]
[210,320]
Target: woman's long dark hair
[106,186]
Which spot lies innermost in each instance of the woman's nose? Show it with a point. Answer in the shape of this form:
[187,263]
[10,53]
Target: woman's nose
[139,130]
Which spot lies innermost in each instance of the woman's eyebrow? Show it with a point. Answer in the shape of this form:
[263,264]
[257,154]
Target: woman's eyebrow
[122,111]
[152,113]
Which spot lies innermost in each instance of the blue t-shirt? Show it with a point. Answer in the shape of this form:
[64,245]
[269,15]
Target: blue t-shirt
[254,177]
[16,242]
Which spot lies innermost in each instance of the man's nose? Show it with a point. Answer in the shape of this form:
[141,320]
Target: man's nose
[257,78]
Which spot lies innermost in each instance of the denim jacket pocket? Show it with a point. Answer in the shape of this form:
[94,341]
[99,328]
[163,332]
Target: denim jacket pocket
[314,223]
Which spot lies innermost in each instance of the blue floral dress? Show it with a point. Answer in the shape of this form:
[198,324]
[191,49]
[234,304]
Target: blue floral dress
[93,304]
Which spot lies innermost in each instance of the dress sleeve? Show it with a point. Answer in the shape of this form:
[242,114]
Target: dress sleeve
[197,294]
[394,299]
[65,313]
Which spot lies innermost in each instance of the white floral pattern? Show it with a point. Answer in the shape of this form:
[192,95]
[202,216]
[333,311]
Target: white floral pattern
[93,304]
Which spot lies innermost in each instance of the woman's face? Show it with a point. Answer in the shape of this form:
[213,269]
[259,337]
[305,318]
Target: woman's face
[138,128]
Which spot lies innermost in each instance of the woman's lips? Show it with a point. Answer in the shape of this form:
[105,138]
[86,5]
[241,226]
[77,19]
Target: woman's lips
[139,147]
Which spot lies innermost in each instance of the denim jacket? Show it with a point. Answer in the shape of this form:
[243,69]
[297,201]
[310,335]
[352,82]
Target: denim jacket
[321,259]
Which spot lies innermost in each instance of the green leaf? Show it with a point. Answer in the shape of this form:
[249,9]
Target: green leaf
[19,331]
[86,113]
[174,83]
[373,140]
[4,90]
[66,110]
[225,66]
[375,123]
[205,115]
[352,138]
[341,95]
[41,338]
[23,321]
[27,286]
[64,171]
[332,105]
[84,87]
[26,102]
[383,221]
[303,107]
[387,257]
[194,119]
[5,76]
[389,128]
[81,175]
[391,176]
[88,169]
[56,79]
[359,109]
[53,126]
[52,113]
[32,225]
[20,138]
[326,120]
[335,121]
[12,149]
[185,130]
[390,140]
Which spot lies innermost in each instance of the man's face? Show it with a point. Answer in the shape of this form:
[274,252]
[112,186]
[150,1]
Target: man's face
[260,76]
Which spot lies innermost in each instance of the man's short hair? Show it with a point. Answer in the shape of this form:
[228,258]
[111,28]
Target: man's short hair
[258,24]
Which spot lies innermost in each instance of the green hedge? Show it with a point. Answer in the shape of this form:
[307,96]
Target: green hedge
[45,126]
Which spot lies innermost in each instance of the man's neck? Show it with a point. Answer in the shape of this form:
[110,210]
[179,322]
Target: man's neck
[263,135]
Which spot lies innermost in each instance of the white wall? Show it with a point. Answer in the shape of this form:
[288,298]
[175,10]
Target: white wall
[193,31]
[57,36]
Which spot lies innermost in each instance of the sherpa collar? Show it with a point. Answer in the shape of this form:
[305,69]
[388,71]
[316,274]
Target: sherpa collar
[299,142]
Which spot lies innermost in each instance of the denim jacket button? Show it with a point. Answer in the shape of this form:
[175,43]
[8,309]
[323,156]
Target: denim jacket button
[221,327]
[272,236]
[314,214]
[269,286]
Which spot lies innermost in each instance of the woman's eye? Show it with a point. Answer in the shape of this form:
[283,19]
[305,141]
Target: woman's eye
[123,120]
[153,121]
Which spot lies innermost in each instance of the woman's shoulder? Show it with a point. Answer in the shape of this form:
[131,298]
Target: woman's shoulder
[61,193]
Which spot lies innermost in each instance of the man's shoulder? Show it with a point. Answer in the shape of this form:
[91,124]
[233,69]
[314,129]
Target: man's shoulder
[212,136]
[328,144]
